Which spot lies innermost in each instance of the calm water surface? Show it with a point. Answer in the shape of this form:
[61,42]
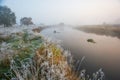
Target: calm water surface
[105,53]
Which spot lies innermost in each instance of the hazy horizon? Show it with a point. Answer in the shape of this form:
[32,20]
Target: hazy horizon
[74,12]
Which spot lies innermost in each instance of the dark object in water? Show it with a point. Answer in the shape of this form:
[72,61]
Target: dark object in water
[54,31]
[91,40]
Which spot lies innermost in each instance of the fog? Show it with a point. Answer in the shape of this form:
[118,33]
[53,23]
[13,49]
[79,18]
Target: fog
[75,12]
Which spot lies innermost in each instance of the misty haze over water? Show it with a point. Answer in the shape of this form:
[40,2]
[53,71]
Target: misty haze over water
[74,12]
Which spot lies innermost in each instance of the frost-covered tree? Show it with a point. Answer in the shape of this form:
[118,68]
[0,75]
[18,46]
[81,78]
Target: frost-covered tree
[26,21]
[7,17]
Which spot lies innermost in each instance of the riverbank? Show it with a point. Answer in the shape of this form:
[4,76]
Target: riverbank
[108,30]
[26,55]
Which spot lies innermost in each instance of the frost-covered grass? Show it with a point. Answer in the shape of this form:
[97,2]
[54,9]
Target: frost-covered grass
[18,28]
[48,63]
[22,45]
[43,63]
[27,56]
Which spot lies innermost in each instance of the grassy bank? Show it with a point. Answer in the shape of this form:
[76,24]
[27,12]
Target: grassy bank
[20,46]
[108,30]
[25,56]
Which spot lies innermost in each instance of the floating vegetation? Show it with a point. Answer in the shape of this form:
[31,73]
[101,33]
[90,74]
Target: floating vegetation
[91,41]
[54,31]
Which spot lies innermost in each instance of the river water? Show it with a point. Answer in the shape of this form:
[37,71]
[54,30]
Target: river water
[105,53]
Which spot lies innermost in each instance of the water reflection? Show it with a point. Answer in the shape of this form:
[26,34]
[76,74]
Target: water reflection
[104,53]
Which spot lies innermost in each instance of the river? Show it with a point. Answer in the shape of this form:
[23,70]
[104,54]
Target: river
[104,53]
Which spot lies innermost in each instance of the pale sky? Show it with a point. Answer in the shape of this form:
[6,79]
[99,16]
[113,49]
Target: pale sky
[75,12]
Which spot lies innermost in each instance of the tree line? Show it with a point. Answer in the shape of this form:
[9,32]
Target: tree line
[8,17]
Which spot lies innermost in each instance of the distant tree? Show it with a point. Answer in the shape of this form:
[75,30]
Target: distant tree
[7,17]
[26,21]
